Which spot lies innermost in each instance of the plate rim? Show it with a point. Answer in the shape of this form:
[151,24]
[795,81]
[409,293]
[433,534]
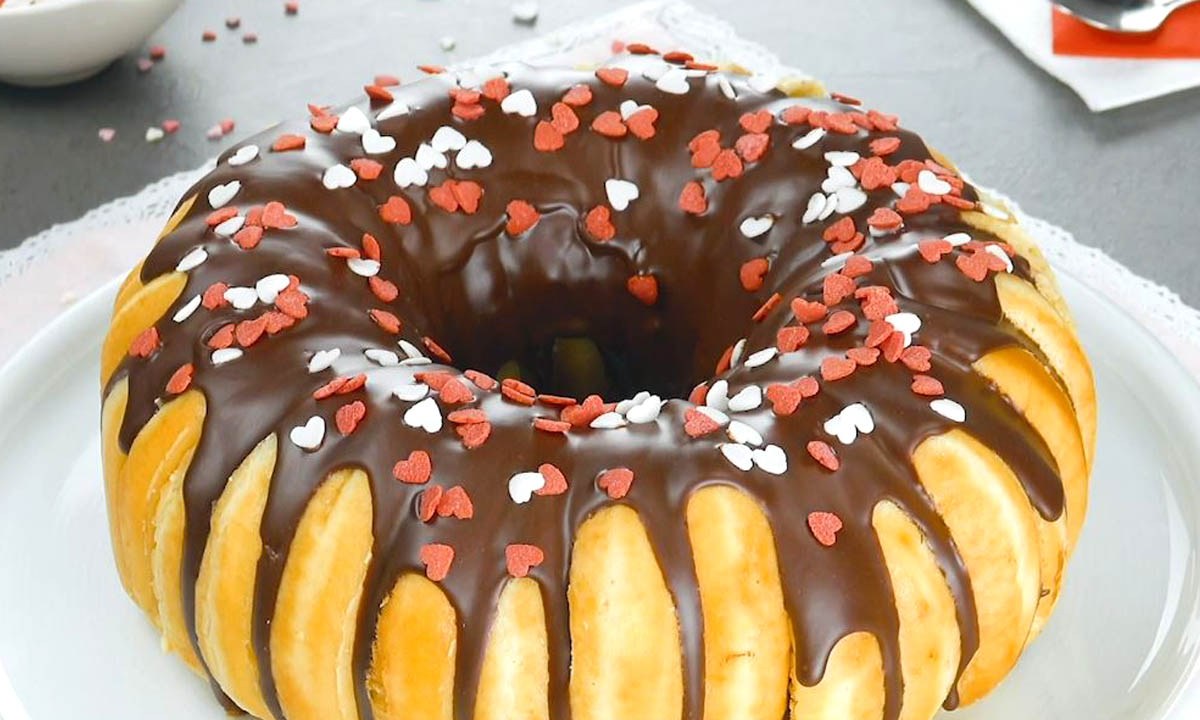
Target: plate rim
[93,309]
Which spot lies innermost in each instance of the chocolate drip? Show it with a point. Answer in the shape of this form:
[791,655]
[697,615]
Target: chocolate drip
[489,298]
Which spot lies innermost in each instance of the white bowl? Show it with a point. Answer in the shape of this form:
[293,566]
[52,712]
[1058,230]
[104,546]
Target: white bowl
[55,42]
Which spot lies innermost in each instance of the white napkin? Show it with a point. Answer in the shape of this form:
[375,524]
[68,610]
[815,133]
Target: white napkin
[1102,83]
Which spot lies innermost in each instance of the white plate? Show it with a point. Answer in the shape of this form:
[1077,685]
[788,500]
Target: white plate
[1123,644]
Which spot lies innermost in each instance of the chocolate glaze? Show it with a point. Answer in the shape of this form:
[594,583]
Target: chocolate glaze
[489,298]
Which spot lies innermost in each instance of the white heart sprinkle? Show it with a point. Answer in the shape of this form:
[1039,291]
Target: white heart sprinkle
[230,226]
[847,424]
[608,421]
[718,396]
[673,81]
[900,188]
[396,109]
[243,155]
[154,134]
[425,415]
[647,411]
[375,144]
[753,227]
[220,195]
[831,203]
[323,359]
[447,138]
[839,177]
[525,12]
[269,287]
[653,69]
[337,177]
[630,107]
[999,252]
[473,155]
[761,357]
[957,239]
[523,485]
[428,158]
[412,351]
[771,459]
[740,432]
[363,267]
[816,204]
[907,324]
[748,398]
[933,184]
[242,298]
[738,455]
[410,392]
[850,199]
[384,358]
[353,120]
[620,193]
[520,103]
[626,405]
[186,311]
[726,87]
[763,83]
[309,435]
[409,172]
[736,356]
[812,137]
[416,361]
[842,158]
[949,409]
[224,355]
[713,414]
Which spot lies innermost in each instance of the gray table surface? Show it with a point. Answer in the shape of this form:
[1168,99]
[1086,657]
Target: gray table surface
[1127,181]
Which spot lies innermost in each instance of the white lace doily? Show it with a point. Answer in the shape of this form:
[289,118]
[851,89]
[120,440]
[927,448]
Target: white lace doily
[64,263]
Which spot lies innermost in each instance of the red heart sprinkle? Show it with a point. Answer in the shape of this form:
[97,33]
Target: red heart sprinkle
[768,305]
[795,115]
[222,338]
[396,210]
[857,266]
[885,219]
[839,322]
[323,123]
[564,118]
[644,288]
[840,231]
[808,386]
[520,559]
[752,272]
[640,49]
[885,145]
[692,199]
[863,356]
[914,202]
[726,165]
[556,400]
[615,77]
[214,296]
[436,350]
[181,379]
[928,386]
[893,347]
[443,196]
[824,454]
[547,138]
[216,217]
[879,331]
[248,237]
[836,368]
[385,290]
[385,80]
[455,392]
[465,96]
[436,380]
[725,361]
[784,398]
[703,139]
[275,215]
[556,482]
[609,124]
[551,426]
[144,345]
[456,503]
[467,193]
[366,169]
[698,394]
[467,416]
[293,303]
[641,123]
[756,122]
[578,96]
[416,470]
[481,380]
[808,311]
[615,482]
[289,141]
[974,266]
[349,416]
[437,559]
[496,89]
[248,332]
[825,527]
[837,287]
[848,246]
[377,93]
[599,224]
[474,435]
[917,358]
[584,413]
[521,217]
[386,321]
[752,146]
[697,424]
[791,338]
[467,112]
[875,174]
[428,502]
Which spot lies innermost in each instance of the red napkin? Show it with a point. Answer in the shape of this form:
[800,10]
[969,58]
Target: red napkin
[1178,38]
